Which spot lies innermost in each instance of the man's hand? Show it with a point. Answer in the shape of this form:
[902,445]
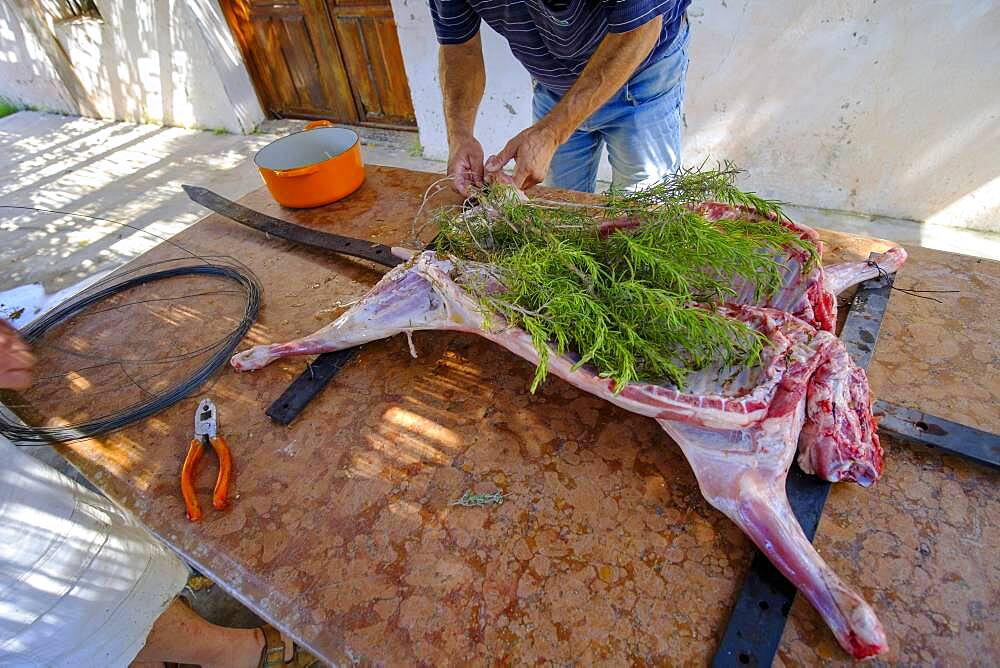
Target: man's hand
[465,165]
[16,360]
[531,150]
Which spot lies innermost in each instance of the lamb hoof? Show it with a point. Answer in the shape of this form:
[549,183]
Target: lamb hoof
[248,360]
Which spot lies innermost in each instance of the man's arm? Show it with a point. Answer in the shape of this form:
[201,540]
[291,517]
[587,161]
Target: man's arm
[612,64]
[463,82]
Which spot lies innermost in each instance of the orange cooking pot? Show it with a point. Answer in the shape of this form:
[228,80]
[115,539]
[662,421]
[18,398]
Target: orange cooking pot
[316,166]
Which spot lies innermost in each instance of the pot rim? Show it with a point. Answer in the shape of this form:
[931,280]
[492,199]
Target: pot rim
[354,144]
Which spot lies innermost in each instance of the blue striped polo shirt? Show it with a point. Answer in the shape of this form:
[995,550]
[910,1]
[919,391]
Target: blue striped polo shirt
[553,39]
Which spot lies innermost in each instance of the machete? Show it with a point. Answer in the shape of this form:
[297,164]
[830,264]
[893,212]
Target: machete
[276,227]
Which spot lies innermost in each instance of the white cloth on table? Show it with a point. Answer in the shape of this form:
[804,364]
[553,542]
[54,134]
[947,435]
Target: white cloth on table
[81,581]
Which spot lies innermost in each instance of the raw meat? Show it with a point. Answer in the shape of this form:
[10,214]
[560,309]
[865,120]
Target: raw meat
[739,430]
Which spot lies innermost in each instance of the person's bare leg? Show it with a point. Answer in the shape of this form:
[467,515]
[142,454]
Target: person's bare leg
[180,635]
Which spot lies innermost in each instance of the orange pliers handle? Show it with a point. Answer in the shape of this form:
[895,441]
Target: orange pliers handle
[220,497]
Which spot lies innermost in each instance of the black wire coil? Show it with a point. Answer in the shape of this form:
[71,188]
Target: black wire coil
[22,434]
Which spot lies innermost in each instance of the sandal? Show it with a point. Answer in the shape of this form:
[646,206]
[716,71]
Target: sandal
[273,654]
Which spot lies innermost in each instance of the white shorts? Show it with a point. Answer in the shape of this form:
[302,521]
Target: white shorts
[81,581]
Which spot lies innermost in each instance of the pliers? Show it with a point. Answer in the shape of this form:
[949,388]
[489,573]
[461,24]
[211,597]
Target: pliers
[205,434]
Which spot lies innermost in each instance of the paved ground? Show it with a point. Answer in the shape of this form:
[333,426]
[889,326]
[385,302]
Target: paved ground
[126,173]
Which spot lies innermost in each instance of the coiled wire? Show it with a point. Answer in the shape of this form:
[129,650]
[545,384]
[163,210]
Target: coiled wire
[218,266]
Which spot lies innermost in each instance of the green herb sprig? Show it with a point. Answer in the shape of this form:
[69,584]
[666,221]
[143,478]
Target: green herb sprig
[632,284]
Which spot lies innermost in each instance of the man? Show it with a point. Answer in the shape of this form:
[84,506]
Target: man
[604,71]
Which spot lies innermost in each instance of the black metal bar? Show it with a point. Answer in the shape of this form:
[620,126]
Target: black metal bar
[757,621]
[308,384]
[864,319]
[909,424]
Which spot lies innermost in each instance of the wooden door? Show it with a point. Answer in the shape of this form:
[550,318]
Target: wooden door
[369,46]
[310,59]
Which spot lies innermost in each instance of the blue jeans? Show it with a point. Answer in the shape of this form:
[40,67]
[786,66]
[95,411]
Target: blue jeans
[641,125]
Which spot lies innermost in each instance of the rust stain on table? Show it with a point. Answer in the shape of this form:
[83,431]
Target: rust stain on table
[604,550]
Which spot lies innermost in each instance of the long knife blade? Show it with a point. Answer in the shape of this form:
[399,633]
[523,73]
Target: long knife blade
[321,370]
[262,222]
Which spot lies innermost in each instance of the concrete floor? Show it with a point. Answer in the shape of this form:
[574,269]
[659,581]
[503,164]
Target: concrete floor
[129,174]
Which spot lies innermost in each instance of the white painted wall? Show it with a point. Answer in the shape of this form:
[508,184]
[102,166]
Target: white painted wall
[888,108]
[160,61]
[875,107]
[26,76]
[506,108]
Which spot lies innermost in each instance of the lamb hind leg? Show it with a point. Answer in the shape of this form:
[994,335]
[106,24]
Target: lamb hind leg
[742,473]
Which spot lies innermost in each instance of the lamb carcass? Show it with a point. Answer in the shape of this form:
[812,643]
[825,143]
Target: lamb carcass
[739,430]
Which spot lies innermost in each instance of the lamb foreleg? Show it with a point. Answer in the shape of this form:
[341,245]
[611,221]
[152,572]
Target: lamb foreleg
[403,301]
[839,277]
